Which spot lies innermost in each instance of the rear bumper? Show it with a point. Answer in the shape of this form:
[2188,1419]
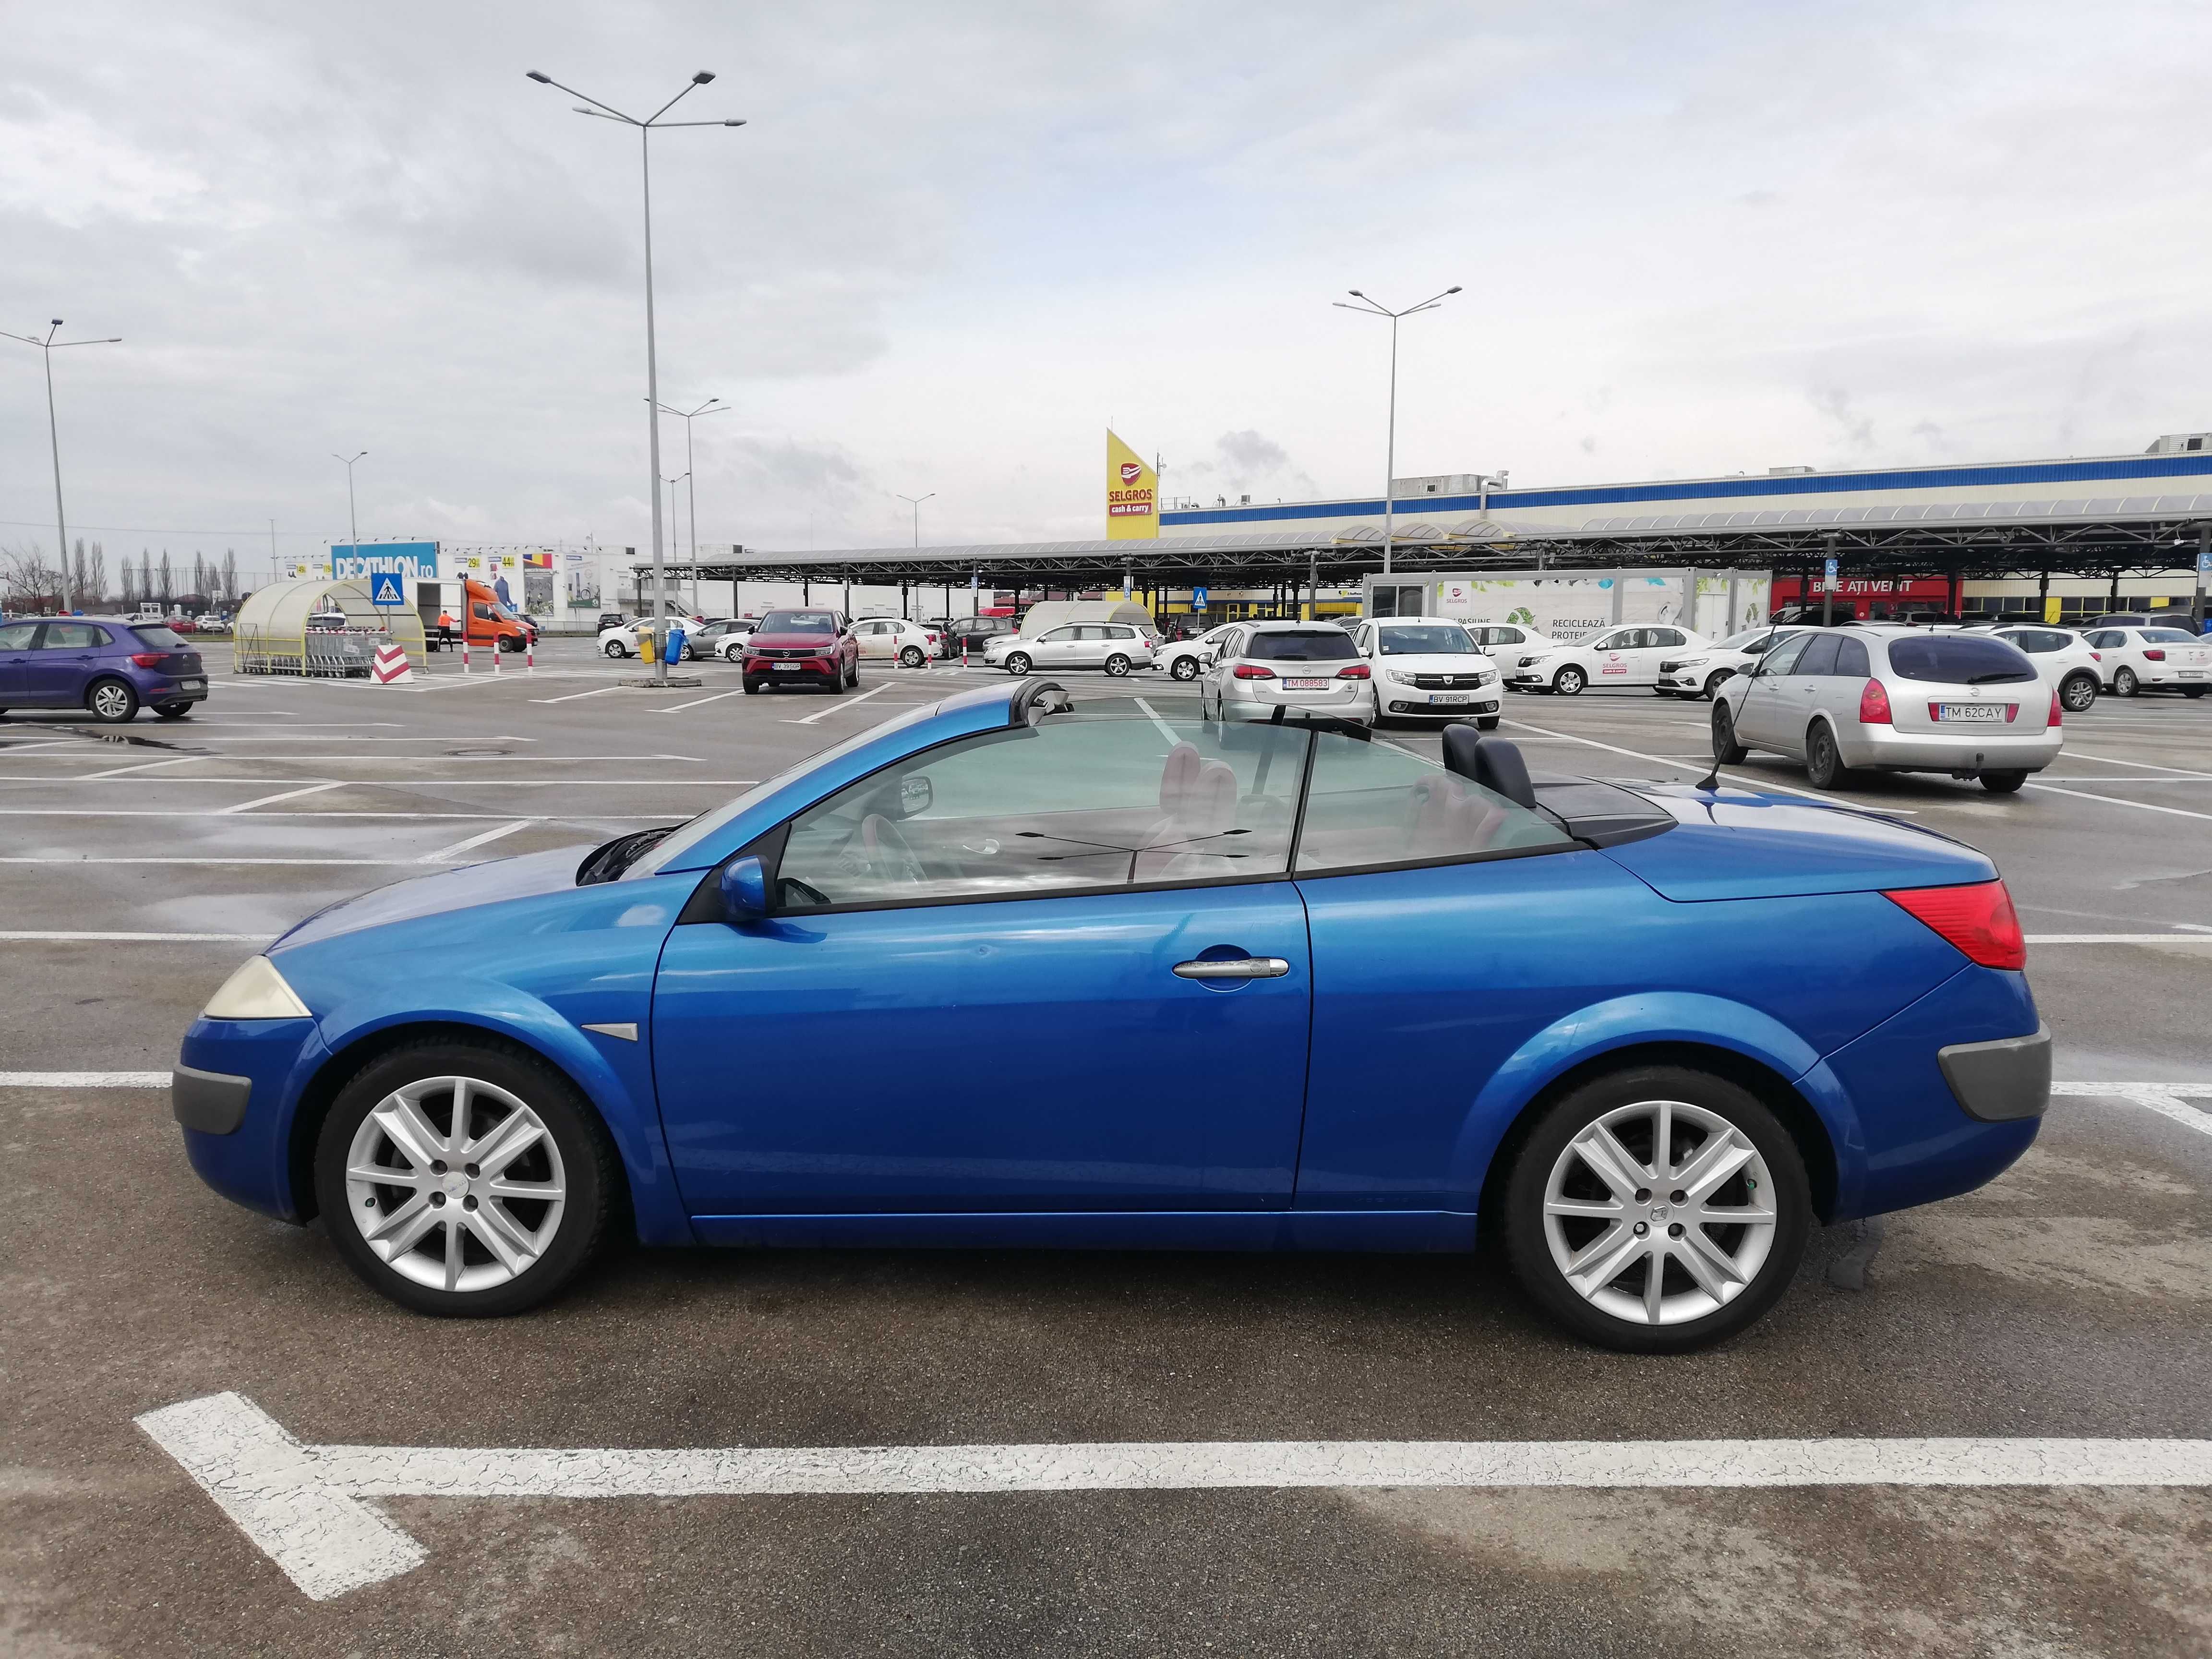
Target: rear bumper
[1884,747]
[1360,710]
[2000,1079]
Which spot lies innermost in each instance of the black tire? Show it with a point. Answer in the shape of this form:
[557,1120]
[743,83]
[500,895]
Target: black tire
[853,676]
[1727,751]
[2077,693]
[1713,683]
[2003,783]
[614,648]
[1570,681]
[2195,691]
[173,711]
[911,657]
[2124,683]
[1185,668]
[1019,663]
[1788,1194]
[1486,722]
[587,1164]
[1117,666]
[752,688]
[1662,690]
[111,701]
[1824,762]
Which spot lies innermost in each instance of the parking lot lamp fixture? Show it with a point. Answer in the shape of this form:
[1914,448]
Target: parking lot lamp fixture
[353,523]
[645,131]
[711,407]
[1390,446]
[916,501]
[47,347]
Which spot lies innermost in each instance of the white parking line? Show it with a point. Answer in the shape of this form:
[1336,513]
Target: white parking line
[420,782]
[84,1079]
[1745,779]
[2166,1099]
[678,707]
[573,696]
[842,702]
[2121,938]
[303,1504]
[445,853]
[33,937]
[289,795]
[2146,766]
[2115,800]
[335,864]
[119,771]
[226,812]
[1153,715]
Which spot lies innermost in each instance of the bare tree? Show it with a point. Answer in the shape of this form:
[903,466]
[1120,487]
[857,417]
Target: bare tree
[230,573]
[145,575]
[130,581]
[29,579]
[169,579]
[99,573]
[79,574]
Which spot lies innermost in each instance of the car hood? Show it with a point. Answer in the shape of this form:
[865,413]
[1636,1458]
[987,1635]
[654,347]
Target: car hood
[1424,662]
[1731,845]
[526,877]
[793,642]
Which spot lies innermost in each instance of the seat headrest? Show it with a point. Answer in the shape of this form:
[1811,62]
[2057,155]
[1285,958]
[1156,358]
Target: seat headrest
[1493,762]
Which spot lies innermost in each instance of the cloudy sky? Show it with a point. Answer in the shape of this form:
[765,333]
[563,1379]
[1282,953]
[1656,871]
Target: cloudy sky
[957,238]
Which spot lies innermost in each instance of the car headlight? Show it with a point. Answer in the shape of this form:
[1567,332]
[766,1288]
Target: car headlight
[256,991]
[1487,676]
[1397,677]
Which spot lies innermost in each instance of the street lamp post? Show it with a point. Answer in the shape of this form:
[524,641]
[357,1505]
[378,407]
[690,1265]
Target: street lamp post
[1390,452]
[691,487]
[353,523]
[645,128]
[47,347]
[916,501]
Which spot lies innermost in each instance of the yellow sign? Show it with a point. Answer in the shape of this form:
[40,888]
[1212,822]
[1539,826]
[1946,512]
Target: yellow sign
[1133,492]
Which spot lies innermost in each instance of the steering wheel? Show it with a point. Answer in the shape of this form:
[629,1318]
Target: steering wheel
[899,860]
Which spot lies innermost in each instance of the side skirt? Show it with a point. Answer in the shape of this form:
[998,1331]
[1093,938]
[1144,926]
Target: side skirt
[1103,1230]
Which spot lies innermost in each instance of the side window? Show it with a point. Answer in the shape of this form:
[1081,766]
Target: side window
[1852,658]
[1373,804]
[1072,804]
[1783,659]
[482,613]
[73,636]
[1819,657]
[16,637]
[1666,637]
[1060,635]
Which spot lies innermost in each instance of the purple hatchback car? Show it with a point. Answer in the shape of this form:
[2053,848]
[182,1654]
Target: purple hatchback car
[102,665]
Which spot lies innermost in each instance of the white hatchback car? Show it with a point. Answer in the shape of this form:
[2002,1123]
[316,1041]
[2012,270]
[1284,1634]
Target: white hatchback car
[1429,667]
[1117,647]
[1702,672]
[1892,699]
[895,639]
[1618,657]
[1186,659]
[2070,665]
[1267,667]
[2139,659]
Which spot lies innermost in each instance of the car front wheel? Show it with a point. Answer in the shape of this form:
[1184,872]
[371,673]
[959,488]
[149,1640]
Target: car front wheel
[1017,663]
[1186,668]
[2078,693]
[614,648]
[1569,682]
[464,1178]
[2124,683]
[111,701]
[1656,1210]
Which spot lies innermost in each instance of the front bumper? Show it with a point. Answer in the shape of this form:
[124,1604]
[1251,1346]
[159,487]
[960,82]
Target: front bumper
[248,1074]
[794,674]
[1438,705]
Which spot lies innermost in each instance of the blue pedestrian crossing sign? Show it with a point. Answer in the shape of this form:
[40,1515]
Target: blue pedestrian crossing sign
[1198,599]
[383,588]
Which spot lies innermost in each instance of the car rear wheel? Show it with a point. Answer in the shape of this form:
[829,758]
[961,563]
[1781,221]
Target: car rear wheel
[1656,1210]
[1117,666]
[1569,682]
[1185,668]
[111,701]
[2078,692]
[2195,690]
[2124,683]
[173,711]
[910,657]
[1727,751]
[2003,783]
[614,648]
[1824,762]
[1017,663]
[464,1178]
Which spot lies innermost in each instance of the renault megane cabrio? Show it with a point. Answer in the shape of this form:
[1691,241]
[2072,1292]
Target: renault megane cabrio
[1647,1036]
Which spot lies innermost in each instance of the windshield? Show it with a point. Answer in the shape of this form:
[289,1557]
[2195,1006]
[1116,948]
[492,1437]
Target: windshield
[158,639]
[1430,639]
[1743,642]
[2162,635]
[1958,660]
[799,622]
[1302,645]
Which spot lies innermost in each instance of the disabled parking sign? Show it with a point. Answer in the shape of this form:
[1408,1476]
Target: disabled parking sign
[383,588]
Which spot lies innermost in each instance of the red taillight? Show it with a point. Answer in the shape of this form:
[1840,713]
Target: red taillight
[1245,670]
[2096,656]
[2056,718]
[1874,704]
[145,658]
[1356,672]
[1980,920]
[2153,656]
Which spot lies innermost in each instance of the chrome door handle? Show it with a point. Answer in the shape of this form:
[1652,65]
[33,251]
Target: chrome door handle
[1234,967]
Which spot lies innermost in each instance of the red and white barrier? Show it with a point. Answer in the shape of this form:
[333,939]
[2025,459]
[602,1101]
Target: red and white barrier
[390,666]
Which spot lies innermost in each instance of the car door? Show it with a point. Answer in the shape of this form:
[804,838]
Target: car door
[1612,657]
[1658,645]
[1103,914]
[1764,714]
[17,640]
[1797,692]
[63,663]
[1212,686]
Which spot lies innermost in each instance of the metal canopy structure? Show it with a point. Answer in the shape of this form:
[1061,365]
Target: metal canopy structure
[2104,537]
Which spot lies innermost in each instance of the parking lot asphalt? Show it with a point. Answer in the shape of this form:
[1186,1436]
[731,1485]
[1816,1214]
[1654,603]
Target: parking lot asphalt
[2069,1300]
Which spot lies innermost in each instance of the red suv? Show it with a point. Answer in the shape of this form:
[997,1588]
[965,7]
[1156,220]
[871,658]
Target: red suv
[802,647]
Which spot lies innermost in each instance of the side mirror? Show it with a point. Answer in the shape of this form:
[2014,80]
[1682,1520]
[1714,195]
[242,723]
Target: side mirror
[744,891]
[916,794]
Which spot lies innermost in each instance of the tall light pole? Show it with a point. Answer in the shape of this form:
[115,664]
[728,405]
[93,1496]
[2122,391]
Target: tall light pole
[608,112]
[352,524]
[916,501]
[1390,452]
[691,474]
[672,483]
[47,347]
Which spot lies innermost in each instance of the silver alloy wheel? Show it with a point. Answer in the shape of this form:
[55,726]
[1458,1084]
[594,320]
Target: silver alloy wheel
[2078,693]
[467,1207]
[111,701]
[1659,1212]
[1186,668]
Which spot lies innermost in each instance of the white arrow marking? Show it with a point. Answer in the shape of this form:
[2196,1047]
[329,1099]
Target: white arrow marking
[303,1504]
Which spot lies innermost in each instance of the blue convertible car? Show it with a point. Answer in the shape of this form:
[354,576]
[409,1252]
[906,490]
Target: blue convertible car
[1251,986]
